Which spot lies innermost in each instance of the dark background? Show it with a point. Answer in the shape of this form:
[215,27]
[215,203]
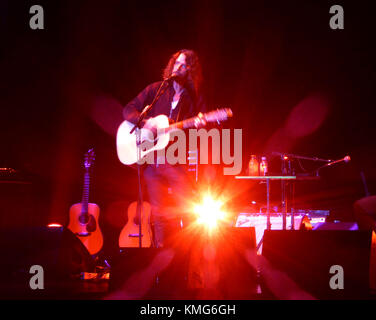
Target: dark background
[62,89]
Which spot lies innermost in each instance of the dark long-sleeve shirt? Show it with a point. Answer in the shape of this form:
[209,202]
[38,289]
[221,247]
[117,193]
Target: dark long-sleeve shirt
[188,105]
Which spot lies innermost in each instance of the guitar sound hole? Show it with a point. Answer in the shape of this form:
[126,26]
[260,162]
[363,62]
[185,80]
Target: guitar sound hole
[136,221]
[84,218]
[92,225]
[89,220]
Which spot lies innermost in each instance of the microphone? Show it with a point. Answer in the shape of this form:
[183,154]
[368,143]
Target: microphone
[175,75]
[345,159]
[172,76]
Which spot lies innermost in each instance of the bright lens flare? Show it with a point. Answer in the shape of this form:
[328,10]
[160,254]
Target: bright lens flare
[54,225]
[209,212]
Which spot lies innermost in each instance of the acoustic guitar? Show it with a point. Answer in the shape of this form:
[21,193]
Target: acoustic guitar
[83,216]
[129,235]
[126,142]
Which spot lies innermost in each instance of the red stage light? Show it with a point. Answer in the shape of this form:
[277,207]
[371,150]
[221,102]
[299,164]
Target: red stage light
[54,225]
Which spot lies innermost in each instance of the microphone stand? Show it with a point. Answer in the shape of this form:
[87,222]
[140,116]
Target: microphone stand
[300,157]
[148,107]
[288,169]
[137,128]
[291,171]
[327,164]
[331,162]
[283,189]
[294,156]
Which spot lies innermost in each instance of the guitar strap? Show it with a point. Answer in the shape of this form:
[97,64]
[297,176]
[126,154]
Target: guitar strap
[178,116]
[184,99]
[179,106]
[179,110]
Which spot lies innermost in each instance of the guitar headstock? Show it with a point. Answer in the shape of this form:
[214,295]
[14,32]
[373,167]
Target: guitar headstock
[89,158]
[218,115]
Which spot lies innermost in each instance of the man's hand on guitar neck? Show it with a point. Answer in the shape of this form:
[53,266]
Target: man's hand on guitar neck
[200,121]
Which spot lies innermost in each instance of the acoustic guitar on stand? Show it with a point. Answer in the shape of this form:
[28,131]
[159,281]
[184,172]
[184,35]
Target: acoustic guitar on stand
[129,235]
[83,217]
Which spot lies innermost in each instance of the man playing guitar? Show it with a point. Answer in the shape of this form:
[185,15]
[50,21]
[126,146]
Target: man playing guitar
[166,184]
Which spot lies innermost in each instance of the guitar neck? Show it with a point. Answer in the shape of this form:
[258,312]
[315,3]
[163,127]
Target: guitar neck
[188,123]
[85,193]
[212,116]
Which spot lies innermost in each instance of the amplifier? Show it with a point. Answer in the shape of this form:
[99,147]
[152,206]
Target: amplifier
[259,220]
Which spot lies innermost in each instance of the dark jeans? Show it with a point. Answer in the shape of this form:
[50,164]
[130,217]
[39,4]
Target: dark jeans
[168,188]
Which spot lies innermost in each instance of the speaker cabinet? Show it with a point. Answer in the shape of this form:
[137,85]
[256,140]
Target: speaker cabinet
[57,250]
[238,280]
[204,266]
[149,273]
[307,257]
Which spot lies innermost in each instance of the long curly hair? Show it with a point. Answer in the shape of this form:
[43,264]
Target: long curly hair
[192,62]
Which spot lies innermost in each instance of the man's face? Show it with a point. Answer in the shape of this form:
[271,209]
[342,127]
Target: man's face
[180,66]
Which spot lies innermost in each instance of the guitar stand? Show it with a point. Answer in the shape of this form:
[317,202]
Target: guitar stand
[140,196]
[137,128]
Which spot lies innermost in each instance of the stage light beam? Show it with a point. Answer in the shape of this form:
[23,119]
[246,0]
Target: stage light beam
[209,212]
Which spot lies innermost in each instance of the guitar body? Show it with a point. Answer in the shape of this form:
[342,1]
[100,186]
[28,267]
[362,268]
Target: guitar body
[129,234]
[88,231]
[126,142]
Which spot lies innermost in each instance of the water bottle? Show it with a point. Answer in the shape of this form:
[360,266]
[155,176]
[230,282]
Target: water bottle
[253,166]
[264,166]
